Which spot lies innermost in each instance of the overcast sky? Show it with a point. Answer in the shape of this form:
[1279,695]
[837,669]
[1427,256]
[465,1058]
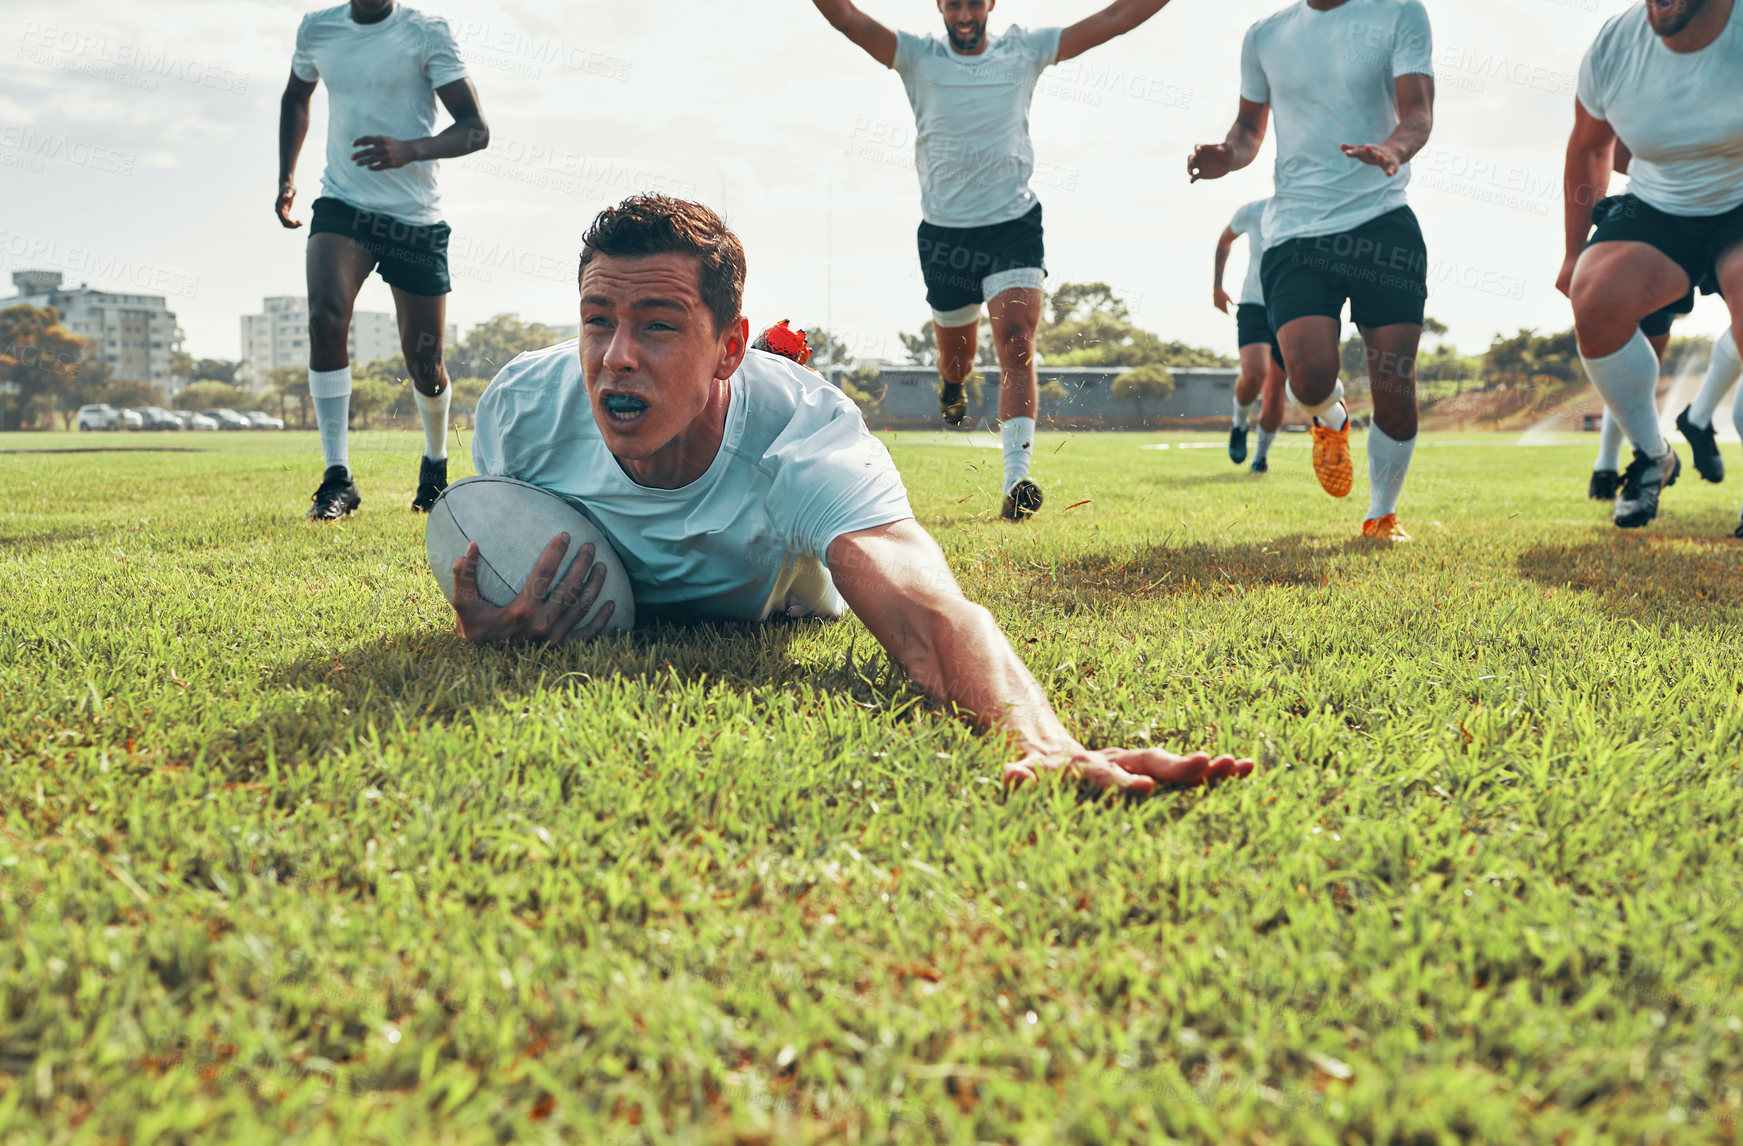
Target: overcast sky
[137,149]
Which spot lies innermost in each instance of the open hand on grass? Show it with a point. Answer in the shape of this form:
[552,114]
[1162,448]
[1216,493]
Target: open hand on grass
[1128,769]
[540,615]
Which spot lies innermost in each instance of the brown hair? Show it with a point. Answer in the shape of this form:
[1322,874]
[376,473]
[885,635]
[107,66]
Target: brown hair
[657,225]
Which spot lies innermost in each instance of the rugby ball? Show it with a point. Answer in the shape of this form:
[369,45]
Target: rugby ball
[513,521]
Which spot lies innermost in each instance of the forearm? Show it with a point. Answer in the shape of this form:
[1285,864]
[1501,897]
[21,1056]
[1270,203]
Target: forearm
[1410,136]
[1243,142]
[958,654]
[1124,15]
[1222,262]
[293,128]
[841,14]
[463,137]
[1584,182]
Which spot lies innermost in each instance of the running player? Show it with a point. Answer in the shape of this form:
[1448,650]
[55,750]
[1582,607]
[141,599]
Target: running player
[1338,73]
[981,238]
[385,67]
[1660,77]
[1606,470]
[1260,386]
[735,485]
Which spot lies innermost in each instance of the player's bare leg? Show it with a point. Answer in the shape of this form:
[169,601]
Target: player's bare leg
[1015,314]
[1391,354]
[422,319]
[1310,354]
[337,268]
[957,346]
[1255,361]
[1270,411]
[1614,286]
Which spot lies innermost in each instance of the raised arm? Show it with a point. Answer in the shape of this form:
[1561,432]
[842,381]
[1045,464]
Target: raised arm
[898,583]
[1239,148]
[1585,179]
[878,41]
[293,128]
[1220,297]
[1116,19]
[468,133]
[1415,122]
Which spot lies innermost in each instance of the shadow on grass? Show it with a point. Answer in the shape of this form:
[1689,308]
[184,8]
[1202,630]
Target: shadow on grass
[413,679]
[1654,578]
[1164,570]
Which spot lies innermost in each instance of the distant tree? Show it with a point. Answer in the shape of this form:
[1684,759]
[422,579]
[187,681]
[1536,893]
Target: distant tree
[38,356]
[209,395]
[1353,362]
[467,391]
[291,384]
[88,384]
[1150,381]
[1087,324]
[215,370]
[130,393]
[865,386]
[494,343]
[828,351]
[1434,326]
[1693,350]
[181,366]
[1527,357]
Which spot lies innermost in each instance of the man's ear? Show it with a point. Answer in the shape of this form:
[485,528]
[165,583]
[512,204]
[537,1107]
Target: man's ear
[734,341]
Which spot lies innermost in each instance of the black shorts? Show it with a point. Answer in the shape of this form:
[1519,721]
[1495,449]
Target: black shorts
[1380,267]
[955,261]
[1693,242]
[1658,322]
[1253,326]
[410,256]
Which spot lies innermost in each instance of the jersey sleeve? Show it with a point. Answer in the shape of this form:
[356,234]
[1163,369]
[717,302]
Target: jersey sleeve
[1246,220]
[303,59]
[1255,84]
[1043,46]
[908,49]
[489,419]
[1413,42]
[442,63]
[834,477]
[1588,90]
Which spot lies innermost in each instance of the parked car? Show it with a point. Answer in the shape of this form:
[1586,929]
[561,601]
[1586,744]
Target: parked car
[132,420]
[158,418]
[100,416]
[228,419]
[199,421]
[261,420]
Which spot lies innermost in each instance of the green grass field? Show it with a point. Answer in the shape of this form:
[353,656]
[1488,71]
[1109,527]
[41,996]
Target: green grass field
[281,859]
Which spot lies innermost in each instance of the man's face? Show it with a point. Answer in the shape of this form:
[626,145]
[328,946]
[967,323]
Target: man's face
[966,22]
[1668,17]
[369,11]
[649,351]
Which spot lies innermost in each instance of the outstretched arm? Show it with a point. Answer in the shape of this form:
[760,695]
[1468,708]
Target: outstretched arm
[1239,148]
[468,133]
[293,128]
[1116,19]
[1220,297]
[878,41]
[1585,179]
[1415,121]
[898,583]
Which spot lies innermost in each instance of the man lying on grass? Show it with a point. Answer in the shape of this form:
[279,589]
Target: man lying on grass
[734,484]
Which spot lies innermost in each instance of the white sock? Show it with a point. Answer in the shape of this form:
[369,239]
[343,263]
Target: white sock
[1018,438]
[1609,444]
[330,390]
[434,412]
[1244,414]
[1263,448]
[1388,463]
[1722,374]
[1628,381]
[1737,412]
[1331,412]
